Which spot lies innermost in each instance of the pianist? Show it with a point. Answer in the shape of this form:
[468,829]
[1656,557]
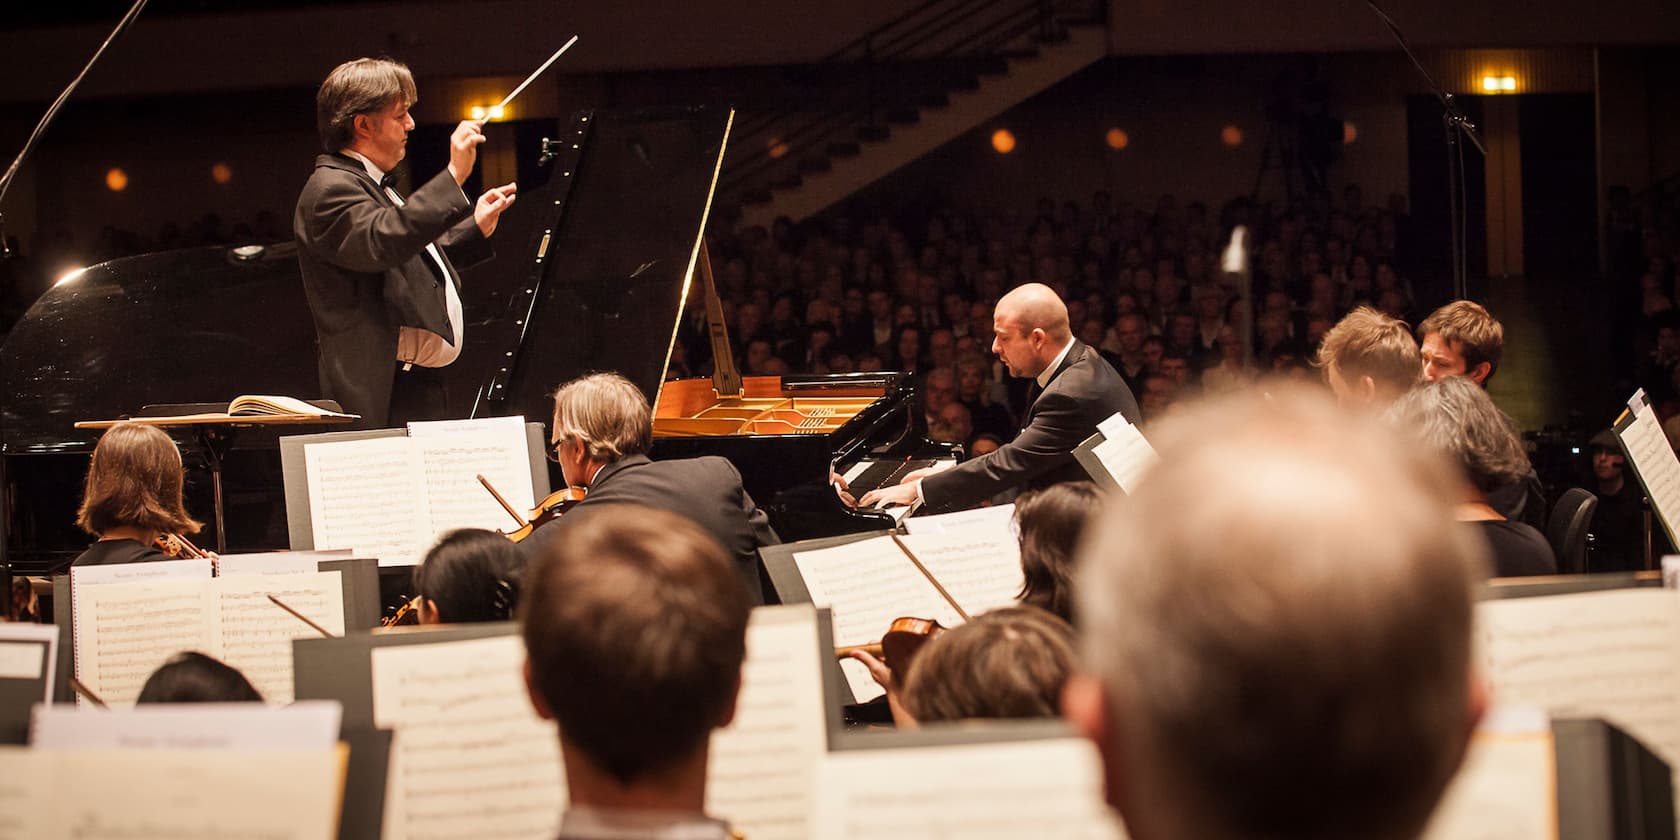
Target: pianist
[602,431]
[1073,390]
[376,266]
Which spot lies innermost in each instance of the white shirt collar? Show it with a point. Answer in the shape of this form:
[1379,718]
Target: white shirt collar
[1044,376]
[615,823]
[372,169]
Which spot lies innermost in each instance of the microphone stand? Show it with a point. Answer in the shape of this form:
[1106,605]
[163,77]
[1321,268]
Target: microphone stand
[52,111]
[1458,128]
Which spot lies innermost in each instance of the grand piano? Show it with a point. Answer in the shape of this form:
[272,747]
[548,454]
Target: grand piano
[594,271]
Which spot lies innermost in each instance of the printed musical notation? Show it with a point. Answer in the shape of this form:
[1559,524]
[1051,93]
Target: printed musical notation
[981,571]
[361,497]
[470,758]
[1655,463]
[454,453]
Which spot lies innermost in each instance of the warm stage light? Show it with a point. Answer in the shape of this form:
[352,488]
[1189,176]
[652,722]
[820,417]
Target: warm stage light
[1116,139]
[1003,141]
[1231,136]
[777,149]
[68,276]
[116,180]
[477,112]
[1350,132]
[496,112]
[221,173]
[1499,84]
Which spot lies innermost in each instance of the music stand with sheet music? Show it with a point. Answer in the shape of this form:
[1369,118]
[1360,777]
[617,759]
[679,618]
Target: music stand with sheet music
[1653,463]
[213,428]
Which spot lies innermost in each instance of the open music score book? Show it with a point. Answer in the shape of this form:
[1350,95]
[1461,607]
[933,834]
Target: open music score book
[867,584]
[129,619]
[392,497]
[1652,460]
[176,794]
[1613,655]
[1507,786]
[1117,456]
[258,405]
[1005,790]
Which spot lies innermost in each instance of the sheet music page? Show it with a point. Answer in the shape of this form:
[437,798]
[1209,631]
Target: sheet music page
[130,572]
[981,569]
[866,585]
[1507,788]
[273,563]
[365,495]
[1126,455]
[762,766]
[124,631]
[997,791]
[1614,655]
[993,519]
[469,758]
[306,725]
[1659,470]
[256,635]
[455,452]
[177,794]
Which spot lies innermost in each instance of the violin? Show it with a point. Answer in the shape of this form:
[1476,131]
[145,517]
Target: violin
[179,547]
[900,644]
[546,511]
[409,608]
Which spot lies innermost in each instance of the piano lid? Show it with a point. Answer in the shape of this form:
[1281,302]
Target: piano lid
[610,262]
[199,325]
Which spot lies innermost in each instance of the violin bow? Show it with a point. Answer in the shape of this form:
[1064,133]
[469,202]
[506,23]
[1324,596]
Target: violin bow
[501,501]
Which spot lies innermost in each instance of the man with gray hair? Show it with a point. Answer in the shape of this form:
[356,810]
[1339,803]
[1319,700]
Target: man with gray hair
[1276,629]
[1073,390]
[602,432]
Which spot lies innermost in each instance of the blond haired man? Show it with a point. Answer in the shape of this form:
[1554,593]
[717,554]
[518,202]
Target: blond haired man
[1276,629]
[1369,359]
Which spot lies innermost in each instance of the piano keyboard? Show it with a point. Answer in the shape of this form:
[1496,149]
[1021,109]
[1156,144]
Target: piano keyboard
[868,474]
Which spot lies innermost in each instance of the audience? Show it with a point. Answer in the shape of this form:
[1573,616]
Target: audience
[470,575]
[1050,523]
[132,496]
[1454,418]
[1618,523]
[192,677]
[1276,629]
[1369,359]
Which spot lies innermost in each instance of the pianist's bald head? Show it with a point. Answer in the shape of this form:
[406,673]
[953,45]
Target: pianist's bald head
[1030,328]
[1276,629]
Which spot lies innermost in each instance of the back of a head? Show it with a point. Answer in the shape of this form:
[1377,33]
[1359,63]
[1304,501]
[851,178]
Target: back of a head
[1050,523]
[1369,343]
[1007,663]
[1280,617]
[134,479]
[607,412]
[192,677]
[471,575]
[1480,336]
[635,625]
[1456,419]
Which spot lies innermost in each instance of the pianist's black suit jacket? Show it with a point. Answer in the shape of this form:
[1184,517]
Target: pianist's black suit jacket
[1084,391]
[706,490]
[366,273]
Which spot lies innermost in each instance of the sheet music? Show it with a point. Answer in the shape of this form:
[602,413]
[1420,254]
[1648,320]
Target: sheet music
[981,569]
[124,631]
[256,635]
[1125,454]
[866,585]
[993,519]
[763,764]
[276,562]
[1614,655]
[29,652]
[175,794]
[306,725]
[454,453]
[130,572]
[1507,788]
[996,791]
[366,495]
[1658,469]
[469,758]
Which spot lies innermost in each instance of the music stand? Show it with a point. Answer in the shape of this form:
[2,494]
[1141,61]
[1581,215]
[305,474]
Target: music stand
[214,431]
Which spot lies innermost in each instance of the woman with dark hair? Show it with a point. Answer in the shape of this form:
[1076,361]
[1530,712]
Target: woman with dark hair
[132,495]
[192,677]
[471,575]
[1050,522]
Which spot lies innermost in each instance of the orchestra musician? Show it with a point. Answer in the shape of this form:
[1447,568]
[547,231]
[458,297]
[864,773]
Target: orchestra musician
[470,575]
[378,268]
[192,677]
[635,632]
[1073,390]
[132,496]
[601,434]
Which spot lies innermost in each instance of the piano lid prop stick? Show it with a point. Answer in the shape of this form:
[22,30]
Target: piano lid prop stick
[301,617]
[533,77]
[87,694]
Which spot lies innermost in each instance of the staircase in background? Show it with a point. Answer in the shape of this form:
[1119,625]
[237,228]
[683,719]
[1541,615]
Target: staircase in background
[896,93]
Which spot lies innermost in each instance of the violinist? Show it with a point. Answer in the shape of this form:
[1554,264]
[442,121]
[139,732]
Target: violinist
[132,496]
[471,575]
[601,434]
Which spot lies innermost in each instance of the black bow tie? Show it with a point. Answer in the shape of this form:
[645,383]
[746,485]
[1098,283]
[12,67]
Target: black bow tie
[389,181]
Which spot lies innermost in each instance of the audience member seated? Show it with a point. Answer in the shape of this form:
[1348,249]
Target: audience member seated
[471,575]
[1455,418]
[635,628]
[192,677]
[1618,524]
[132,495]
[1369,359]
[1276,629]
[1050,523]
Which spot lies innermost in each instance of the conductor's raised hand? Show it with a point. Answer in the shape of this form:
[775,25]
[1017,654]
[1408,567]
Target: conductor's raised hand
[491,204]
[463,148]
